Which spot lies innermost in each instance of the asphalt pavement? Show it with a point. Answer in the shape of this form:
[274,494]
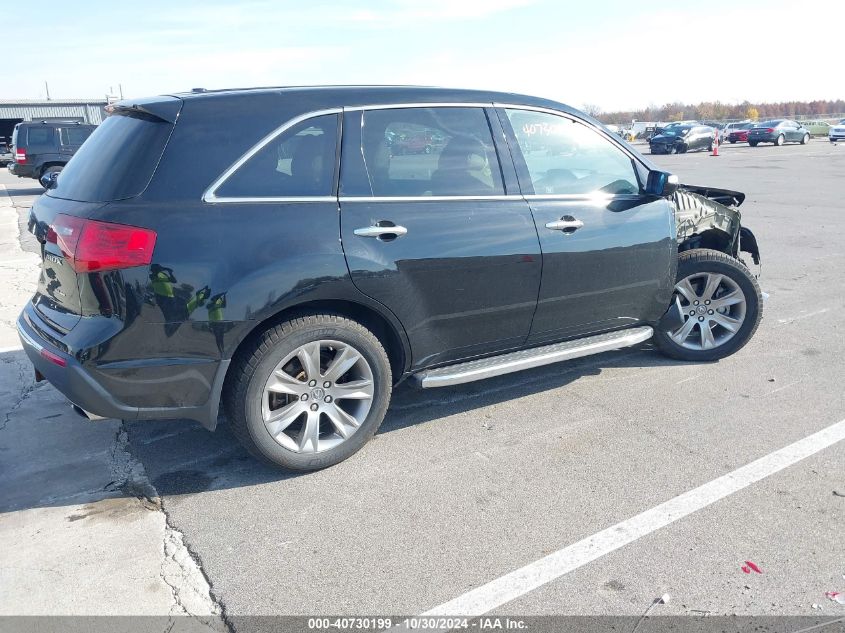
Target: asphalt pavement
[464,485]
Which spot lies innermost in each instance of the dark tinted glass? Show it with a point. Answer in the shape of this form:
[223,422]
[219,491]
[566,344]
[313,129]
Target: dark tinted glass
[117,161]
[75,135]
[300,162]
[40,136]
[430,152]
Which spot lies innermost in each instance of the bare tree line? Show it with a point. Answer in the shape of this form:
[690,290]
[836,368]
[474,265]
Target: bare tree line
[717,111]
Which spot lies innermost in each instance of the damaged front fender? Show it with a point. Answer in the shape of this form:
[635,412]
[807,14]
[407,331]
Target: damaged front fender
[709,218]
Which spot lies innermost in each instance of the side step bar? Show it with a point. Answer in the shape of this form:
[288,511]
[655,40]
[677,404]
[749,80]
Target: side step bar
[528,358]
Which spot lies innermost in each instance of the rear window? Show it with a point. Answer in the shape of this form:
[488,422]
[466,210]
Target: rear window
[117,161]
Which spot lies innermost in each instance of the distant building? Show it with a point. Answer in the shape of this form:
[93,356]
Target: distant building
[13,112]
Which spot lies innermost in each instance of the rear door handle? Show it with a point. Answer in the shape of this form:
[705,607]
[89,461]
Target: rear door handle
[563,225]
[383,228]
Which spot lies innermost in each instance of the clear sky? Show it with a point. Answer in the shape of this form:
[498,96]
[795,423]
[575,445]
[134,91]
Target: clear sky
[610,53]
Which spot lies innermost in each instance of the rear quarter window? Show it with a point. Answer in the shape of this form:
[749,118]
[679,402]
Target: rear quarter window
[117,161]
[40,136]
[299,162]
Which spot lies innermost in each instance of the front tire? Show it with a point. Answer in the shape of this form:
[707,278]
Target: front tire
[309,392]
[721,303]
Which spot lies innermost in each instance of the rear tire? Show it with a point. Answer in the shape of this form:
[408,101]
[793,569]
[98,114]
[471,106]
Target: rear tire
[779,140]
[268,378]
[805,139]
[721,303]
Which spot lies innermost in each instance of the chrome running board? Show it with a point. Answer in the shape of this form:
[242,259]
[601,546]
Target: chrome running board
[528,358]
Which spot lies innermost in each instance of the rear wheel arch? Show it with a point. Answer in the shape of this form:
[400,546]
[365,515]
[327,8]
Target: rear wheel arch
[53,163]
[390,334]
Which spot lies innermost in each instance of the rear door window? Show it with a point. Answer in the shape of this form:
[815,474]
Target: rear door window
[421,152]
[74,135]
[298,163]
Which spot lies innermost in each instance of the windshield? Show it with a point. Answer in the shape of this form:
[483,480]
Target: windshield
[675,131]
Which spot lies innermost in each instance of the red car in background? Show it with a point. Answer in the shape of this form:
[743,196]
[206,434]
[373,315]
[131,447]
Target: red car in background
[738,133]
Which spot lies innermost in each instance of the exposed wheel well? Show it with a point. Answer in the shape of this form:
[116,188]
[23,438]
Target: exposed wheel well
[712,239]
[369,318]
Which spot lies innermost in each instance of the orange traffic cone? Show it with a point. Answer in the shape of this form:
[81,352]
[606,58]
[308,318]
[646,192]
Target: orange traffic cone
[716,145]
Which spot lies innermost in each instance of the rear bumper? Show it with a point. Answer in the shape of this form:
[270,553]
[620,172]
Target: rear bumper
[21,171]
[79,386]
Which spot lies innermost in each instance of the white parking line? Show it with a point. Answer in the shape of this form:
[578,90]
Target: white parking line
[521,581]
[802,316]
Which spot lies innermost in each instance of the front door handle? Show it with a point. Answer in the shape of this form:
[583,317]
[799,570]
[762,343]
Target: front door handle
[383,228]
[568,225]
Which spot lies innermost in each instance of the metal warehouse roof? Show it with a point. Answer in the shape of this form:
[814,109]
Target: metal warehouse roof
[51,102]
[85,110]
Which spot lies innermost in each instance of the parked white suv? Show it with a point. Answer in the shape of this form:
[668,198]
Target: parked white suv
[837,132]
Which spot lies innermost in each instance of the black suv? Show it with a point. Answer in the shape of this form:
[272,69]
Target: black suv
[42,149]
[266,250]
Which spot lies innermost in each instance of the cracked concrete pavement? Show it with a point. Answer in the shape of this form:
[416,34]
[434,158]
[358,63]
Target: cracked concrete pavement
[84,530]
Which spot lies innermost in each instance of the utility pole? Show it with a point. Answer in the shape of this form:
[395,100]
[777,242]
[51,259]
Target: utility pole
[120,89]
[47,88]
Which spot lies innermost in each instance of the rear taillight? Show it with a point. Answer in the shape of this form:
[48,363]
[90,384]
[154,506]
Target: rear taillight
[53,358]
[770,130]
[20,155]
[91,245]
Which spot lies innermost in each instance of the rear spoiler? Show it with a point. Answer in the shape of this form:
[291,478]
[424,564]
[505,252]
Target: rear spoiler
[164,108]
[726,197]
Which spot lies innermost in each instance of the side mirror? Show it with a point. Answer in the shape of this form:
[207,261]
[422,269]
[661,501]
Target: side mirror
[49,180]
[661,183]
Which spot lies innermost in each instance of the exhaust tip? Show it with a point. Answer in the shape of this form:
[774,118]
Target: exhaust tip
[86,414]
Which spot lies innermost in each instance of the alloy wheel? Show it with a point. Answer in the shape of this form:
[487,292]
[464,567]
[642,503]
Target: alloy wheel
[714,308]
[318,396]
